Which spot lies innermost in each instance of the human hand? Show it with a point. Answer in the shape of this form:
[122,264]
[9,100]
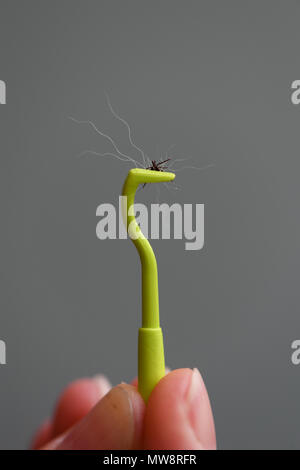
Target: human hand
[92,415]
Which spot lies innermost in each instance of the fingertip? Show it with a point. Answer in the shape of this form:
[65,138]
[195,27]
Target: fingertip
[76,401]
[178,414]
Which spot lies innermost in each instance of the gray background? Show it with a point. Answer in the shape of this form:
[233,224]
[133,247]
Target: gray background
[214,78]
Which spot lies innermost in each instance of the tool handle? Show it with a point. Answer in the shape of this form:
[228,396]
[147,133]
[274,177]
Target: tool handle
[151,360]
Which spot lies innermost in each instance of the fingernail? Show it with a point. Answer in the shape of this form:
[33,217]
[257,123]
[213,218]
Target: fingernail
[102,383]
[199,411]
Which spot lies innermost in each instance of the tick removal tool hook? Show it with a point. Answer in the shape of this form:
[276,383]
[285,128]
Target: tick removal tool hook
[151,361]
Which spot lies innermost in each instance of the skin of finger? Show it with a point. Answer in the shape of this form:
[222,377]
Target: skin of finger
[76,400]
[116,422]
[170,416]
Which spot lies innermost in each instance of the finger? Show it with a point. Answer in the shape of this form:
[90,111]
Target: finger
[43,435]
[114,423]
[76,401]
[178,414]
[134,382]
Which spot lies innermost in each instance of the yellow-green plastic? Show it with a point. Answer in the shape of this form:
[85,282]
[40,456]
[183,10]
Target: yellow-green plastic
[151,362]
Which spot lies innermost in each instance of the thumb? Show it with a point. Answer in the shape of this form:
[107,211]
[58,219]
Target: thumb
[178,414]
[114,423]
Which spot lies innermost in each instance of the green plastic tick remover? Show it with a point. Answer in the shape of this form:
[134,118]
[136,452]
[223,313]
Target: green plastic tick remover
[151,362]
